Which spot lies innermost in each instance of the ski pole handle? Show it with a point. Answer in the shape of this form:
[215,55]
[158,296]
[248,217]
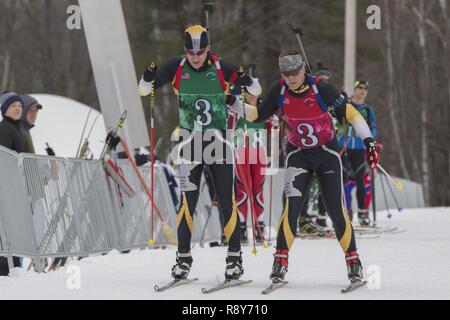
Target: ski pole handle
[295,29]
[397,183]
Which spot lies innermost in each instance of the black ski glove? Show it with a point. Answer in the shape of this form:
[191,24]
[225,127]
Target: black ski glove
[112,140]
[150,72]
[141,159]
[372,156]
[243,79]
[230,99]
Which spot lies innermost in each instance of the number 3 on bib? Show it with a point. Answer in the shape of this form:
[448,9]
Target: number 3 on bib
[306,132]
[203,104]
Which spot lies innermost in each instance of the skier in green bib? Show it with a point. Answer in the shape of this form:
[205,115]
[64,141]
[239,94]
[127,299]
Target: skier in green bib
[201,82]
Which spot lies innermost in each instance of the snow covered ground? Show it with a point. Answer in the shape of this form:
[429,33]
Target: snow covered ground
[414,264]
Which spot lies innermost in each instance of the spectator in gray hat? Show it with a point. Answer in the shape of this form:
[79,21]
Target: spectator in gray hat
[30,111]
[12,138]
[11,135]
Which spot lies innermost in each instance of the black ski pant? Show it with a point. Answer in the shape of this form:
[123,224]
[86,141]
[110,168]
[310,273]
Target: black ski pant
[222,176]
[304,213]
[356,159]
[325,162]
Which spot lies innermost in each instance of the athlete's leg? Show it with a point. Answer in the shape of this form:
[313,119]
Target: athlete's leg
[329,174]
[258,179]
[297,179]
[241,193]
[190,176]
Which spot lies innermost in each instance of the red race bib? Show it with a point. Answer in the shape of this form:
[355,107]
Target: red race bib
[310,133]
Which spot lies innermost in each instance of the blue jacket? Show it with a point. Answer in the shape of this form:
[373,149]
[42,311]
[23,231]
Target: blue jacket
[352,140]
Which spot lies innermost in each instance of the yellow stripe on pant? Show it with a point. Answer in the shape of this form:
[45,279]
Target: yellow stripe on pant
[231,225]
[347,236]
[184,212]
[284,221]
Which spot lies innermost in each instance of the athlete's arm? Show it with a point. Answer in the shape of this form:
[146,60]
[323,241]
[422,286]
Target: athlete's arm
[161,76]
[344,110]
[263,111]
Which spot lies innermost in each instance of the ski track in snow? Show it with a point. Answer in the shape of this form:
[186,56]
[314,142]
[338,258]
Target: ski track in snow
[414,265]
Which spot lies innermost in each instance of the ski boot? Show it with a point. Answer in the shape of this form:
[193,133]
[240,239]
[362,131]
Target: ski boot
[280,265]
[308,228]
[181,269]
[243,228]
[354,267]
[234,269]
[363,217]
[259,235]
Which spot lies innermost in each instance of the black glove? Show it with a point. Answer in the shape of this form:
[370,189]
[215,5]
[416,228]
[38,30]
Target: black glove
[150,72]
[112,140]
[372,156]
[243,79]
[230,99]
[141,159]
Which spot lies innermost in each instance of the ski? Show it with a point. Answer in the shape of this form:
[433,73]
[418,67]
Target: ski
[226,284]
[367,235]
[353,286]
[274,286]
[374,229]
[358,234]
[114,172]
[173,284]
[326,235]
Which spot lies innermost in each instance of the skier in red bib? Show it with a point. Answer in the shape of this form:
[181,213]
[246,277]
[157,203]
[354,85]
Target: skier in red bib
[306,104]
[201,81]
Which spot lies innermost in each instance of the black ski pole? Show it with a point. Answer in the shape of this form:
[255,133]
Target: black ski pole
[208,9]
[298,34]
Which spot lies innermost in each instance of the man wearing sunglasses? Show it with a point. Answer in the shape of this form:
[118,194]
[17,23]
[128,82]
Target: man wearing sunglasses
[354,149]
[305,102]
[201,80]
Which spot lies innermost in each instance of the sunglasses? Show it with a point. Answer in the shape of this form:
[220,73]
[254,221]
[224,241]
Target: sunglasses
[195,53]
[292,73]
[362,87]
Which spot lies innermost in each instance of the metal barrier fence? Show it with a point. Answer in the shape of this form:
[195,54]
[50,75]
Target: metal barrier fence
[56,207]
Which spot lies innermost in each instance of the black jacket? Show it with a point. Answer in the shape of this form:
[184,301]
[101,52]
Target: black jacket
[12,137]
